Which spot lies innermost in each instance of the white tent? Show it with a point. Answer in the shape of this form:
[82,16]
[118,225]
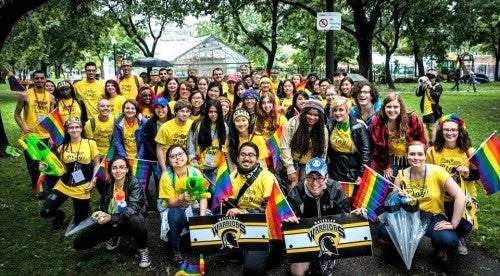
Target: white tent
[204,53]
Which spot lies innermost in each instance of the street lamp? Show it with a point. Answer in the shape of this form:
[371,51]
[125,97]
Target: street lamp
[113,42]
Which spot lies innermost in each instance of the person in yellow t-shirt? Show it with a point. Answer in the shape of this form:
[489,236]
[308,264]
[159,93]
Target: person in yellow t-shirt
[174,131]
[67,104]
[129,83]
[35,104]
[116,99]
[428,184]
[452,150]
[90,90]
[81,158]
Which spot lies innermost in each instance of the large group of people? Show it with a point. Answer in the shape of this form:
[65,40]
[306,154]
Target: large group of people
[331,130]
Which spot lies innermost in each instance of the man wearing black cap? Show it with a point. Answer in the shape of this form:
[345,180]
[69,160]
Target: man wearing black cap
[429,104]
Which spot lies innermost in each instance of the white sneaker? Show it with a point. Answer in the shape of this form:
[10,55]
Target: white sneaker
[113,243]
[144,258]
[462,247]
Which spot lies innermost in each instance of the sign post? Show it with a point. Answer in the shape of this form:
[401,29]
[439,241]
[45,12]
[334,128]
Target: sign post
[329,21]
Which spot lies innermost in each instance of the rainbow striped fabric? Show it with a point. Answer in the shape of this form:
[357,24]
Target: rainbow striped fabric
[102,173]
[487,161]
[202,265]
[54,125]
[40,183]
[372,192]
[277,210]
[223,188]
[140,169]
[188,269]
[273,147]
[348,188]
[301,85]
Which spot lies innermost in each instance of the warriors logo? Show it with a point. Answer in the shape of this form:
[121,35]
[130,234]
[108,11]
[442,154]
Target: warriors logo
[229,231]
[326,234]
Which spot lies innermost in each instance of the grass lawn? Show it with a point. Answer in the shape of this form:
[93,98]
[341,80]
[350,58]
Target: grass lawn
[29,246]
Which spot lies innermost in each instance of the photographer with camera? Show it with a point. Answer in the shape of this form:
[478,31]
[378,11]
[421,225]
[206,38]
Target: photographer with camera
[430,90]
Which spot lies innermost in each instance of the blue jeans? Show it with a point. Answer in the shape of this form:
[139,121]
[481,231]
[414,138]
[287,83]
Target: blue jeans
[441,240]
[177,220]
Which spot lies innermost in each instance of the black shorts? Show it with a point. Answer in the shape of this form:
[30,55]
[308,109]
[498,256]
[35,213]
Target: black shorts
[429,119]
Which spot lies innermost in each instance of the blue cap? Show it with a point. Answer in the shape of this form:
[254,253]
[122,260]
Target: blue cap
[161,101]
[318,165]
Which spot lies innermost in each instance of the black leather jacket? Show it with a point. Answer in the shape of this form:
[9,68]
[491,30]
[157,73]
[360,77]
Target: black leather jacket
[332,202]
[348,166]
[134,196]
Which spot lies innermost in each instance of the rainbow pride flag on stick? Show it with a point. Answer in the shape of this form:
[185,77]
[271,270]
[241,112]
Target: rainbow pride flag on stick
[40,183]
[223,188]
[372,192]
[102,173]
[273,147]
[487,161]
[277,210]
[301,86]
[140,169]
[348,187]
[54,125]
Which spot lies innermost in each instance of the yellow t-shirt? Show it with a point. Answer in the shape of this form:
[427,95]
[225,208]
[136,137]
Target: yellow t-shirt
[37,109]
[86,151]
[167,188]
[194,117]
[128,87]
[230,97]
[116,105]
[397,147]
[102,134]
[129,142]
[268,131]
[209,158]
[286,103]
[450,159]
[68,108]
[341,140]
[258,140]
[274,86]
[430,190]
[255,194]
[90,93]
[172,133]
[427,102]
[146,112]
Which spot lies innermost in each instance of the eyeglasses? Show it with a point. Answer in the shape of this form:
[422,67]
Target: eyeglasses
[450,130]
[249,155]
[312,179]
[177,155]
[364,92]
[118,168]
[74,127]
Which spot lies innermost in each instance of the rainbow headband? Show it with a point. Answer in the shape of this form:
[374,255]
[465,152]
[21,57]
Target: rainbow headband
[451,118]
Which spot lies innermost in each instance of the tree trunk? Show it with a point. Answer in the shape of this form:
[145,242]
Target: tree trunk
[365,57]
[388,75]
[418,61]
[497,61]
[11,11]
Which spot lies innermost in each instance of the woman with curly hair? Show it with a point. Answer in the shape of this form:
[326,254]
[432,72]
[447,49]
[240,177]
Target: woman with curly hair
[305,136]
[145,101]
[452,150]
[392,129]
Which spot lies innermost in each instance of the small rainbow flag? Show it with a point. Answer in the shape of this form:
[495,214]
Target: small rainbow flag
[372,192]
[40,183]
[301,85]
[273,147]
[140,169]
[348,188]
[102,173]
[202,265]
[188,269]
[54,125]
[223,188]
[487,161]
[277,210]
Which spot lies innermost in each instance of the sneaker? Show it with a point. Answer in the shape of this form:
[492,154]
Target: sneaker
[175,257]
[144,255]
[442,256]
[462,247]
[113,243]
[58,220]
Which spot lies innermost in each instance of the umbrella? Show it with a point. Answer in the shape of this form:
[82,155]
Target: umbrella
[404,225]
[151,62]
[73,229]
[357,78]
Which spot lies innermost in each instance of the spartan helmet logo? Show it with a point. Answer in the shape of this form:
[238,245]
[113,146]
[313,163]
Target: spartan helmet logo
[328,244]
[229,239]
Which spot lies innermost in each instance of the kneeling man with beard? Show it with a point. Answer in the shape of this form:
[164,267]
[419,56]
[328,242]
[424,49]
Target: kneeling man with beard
[252,187]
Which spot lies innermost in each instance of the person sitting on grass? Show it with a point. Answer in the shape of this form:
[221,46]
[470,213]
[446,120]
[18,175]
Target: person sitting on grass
[116,219]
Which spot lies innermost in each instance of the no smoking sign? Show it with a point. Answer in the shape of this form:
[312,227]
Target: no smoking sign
[327,21]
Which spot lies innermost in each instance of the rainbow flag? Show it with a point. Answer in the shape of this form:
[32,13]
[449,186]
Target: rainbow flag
[14,84]
[277,210]
[188,269]
[301,86]
[223,188]
[140,169]
[348,188]
[273,147]
[372,192]
[54,125]
[202,265]
[102,173]
[487,161]
[40,183]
